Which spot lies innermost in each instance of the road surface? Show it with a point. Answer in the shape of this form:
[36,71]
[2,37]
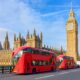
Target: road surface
[71,74]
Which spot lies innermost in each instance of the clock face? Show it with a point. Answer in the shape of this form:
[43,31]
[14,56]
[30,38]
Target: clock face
[70,27]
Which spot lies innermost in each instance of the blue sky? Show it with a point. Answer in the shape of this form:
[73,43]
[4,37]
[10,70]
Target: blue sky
[48,16]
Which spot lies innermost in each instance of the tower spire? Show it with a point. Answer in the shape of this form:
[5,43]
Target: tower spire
[34,33]
[19,35]
[71,5]
[6,38]
[27,36]
[41,36]
[71,10]
[6,42]
[61,49]
[14,36]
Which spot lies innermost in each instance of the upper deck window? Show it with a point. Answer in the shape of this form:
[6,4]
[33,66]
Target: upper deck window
[44,53]
[27,50]
[19,53]
[22,52]
[35,51]
[16,57]
[66,57]
[40,52]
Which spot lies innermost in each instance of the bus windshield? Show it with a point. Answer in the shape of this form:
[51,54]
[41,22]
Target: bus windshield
[19,54]
[59,62]
[16,57]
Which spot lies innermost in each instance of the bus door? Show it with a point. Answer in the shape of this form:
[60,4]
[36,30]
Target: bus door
[28,64]
[27,52]
[28,67]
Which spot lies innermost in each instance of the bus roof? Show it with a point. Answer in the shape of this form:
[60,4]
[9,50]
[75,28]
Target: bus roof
[20,48]
[23,47]
[63,56]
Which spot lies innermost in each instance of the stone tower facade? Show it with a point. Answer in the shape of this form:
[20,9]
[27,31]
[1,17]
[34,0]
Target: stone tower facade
[6,44]
[72,35]
[18,41]
[34,40]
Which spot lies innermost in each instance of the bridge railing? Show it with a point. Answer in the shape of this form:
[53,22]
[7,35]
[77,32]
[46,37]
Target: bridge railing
[5,62]
[4,69]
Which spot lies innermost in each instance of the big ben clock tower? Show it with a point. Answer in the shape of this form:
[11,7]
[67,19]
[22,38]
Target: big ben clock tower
[72,36]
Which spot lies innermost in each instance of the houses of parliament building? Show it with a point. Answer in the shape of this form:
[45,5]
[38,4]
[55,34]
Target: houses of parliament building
[32,40]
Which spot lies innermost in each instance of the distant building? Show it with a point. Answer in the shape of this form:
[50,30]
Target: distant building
[34,40]
[18,41]
[5,52]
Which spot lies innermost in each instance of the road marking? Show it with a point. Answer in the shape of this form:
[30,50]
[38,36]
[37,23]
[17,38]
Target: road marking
[67,72]
[45,77]
[57,74]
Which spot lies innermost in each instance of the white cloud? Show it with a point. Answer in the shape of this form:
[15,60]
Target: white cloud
[5,30]
[54,13]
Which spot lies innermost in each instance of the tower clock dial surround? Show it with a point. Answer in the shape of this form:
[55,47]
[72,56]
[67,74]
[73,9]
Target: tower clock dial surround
[70,26]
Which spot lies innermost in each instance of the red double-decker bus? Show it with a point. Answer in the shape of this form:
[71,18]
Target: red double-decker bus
[32,60]
[65,62]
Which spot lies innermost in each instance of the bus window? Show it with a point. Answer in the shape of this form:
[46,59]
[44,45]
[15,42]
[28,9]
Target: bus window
[44,53]
[19,53]
[44,62]
[47,62]
[16,57]
[47,53]
[35,51]
[27,50]
[33,62]
[40,63]
[53,55]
